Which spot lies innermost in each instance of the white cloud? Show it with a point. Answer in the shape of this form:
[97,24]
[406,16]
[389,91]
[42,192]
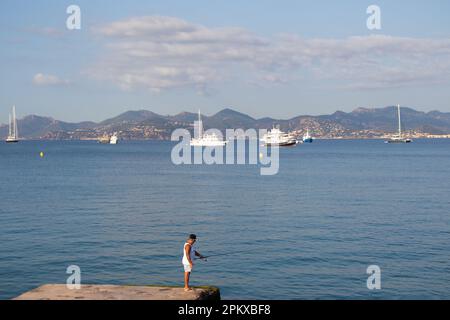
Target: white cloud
[382,61]
[45,31]
[41,79]
[158,53]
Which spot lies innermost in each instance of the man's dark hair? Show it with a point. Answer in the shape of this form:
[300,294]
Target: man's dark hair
[193,236]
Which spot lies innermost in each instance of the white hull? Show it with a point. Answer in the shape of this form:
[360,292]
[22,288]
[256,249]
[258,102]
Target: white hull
[401,140]
[282,144]
[207,143]
[11,140]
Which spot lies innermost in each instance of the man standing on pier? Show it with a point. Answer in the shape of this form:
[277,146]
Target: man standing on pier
[189,253]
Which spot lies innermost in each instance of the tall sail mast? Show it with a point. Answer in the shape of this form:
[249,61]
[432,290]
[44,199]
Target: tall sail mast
[399,122]
[14,122]
[200,126]
[10,126]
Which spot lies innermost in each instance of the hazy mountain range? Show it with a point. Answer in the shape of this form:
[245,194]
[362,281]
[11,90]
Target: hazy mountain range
[144,124]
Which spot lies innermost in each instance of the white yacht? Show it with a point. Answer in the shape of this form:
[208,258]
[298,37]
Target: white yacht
[276,137]
[398,138]
[13,135]
[114,139]
[206,140]
[307,138]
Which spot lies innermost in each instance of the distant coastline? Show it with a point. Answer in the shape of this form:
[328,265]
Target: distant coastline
[419,137]
[362,123]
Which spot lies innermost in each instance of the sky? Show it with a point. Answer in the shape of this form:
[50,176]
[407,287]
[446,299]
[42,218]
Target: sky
[278,58]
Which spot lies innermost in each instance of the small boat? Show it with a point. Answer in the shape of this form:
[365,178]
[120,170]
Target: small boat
[13,136]
[398,138]
[307,138]
[114,139]
[106,139]
[206,140]
[276,137]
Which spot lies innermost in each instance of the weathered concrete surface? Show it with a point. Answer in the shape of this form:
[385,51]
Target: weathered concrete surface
[117,292]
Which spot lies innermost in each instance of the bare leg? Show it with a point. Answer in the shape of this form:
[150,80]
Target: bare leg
[186,280]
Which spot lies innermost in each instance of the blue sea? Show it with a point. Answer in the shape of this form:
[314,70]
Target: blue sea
[122,213]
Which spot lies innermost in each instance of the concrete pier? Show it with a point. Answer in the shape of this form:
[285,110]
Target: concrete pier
[118,292]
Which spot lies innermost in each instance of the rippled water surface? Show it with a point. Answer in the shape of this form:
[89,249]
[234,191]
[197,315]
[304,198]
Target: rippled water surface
[122,213]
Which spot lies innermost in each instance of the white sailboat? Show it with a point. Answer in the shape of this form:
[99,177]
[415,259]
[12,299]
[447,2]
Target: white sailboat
[398,138]
[206,140]
[13,135]
[114,139]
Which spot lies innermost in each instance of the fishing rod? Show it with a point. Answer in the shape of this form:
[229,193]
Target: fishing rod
[224,254]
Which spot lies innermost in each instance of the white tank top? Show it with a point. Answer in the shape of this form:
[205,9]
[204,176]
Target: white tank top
[185,259]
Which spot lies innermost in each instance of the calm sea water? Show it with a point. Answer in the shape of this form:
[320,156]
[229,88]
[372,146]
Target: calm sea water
[122,213]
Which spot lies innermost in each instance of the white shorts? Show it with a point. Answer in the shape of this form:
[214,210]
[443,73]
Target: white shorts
[187,268]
